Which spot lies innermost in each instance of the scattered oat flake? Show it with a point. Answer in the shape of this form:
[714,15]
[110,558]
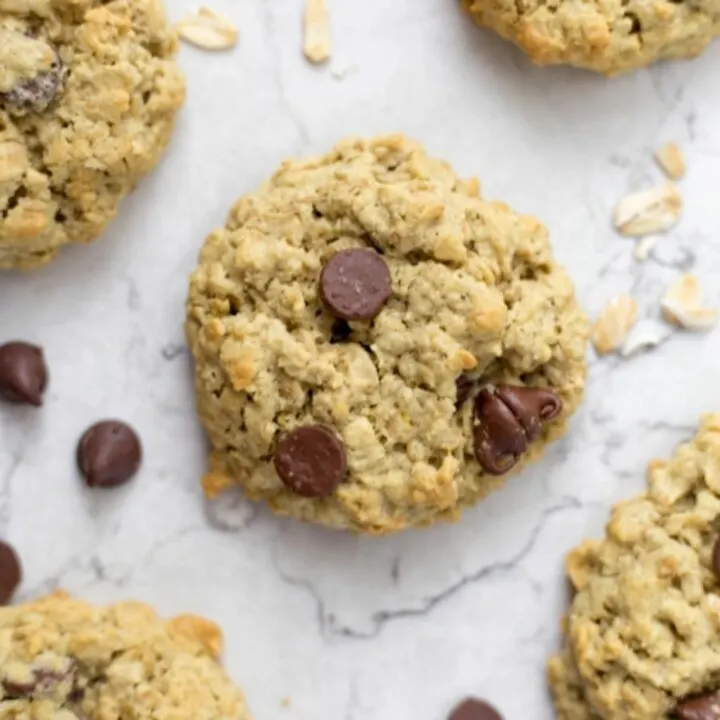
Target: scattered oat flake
[648,211]
[643,247]
[682,306]
[316,45]
[207,30]
[646,335]
[614,323]
[671,161]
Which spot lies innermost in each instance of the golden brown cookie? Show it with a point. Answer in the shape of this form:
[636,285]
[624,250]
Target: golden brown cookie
[643,630]
[88,95]
[608,37]
[65,659]
[376,345]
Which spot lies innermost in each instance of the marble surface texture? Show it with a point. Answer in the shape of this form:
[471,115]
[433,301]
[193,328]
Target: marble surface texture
[325,626]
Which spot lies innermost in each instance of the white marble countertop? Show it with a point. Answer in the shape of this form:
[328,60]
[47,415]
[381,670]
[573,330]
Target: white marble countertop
[322,626]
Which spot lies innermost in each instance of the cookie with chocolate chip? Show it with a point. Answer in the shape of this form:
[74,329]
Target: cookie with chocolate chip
[642,636]
[87,104]
[375,345]
[66,659]
[607,37]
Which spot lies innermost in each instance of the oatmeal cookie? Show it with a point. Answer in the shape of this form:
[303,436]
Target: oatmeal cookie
[88,95]
[375,345]
[65,659]
[607,37]
[643,631]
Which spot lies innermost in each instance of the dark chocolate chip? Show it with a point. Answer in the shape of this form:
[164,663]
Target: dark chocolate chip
[716,558]
[10,572]
[531,406]
[463,387]
[38,93]
[23,373]
[499,438]
[472,709]
[340,331]
[311,461]
[43,681]
[355,284]
[705,707]
[109,454]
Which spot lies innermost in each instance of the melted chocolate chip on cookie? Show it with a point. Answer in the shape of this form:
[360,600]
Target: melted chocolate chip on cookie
[507,419]
[355,284]
[704,707]
[311,461]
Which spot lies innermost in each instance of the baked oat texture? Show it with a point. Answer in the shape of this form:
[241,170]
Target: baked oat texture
[475,288]
[643,630]
[88,94]
[607,37]
[64,659]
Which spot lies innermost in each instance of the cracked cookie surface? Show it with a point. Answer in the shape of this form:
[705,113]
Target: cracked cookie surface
[475,295]
[643,631]
[88,95]
[607,37]
[65,659]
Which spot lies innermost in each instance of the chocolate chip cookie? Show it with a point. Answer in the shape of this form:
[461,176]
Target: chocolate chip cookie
[375,345]
[643,630]
[608,37]
[65,659]
[88,95]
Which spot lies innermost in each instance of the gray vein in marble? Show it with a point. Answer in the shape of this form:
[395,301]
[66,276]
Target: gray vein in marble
[380,618]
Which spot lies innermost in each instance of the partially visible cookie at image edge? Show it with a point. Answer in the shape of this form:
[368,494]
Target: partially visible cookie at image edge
[642,636]
[609,37]
[75,660]
[375,345]
[88,98]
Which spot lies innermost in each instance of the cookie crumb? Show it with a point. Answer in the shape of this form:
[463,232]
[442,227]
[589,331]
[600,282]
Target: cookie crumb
[316,45]
[671,161]
[648,211]
[207,30]
[682,306]
[614,324]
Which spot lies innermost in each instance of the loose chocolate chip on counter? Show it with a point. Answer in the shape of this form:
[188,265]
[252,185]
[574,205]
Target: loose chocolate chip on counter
[499,439]
[311,461]
[531,406]
[23,373]
[10,572]
[704,707]
[355,284]
[472,709]
[109,454]
[463,387]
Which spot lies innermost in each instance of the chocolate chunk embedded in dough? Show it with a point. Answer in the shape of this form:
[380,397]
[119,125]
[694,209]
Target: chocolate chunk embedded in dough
[531,406]
[355,284]
[704,707]
[311,461]
[499,438]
